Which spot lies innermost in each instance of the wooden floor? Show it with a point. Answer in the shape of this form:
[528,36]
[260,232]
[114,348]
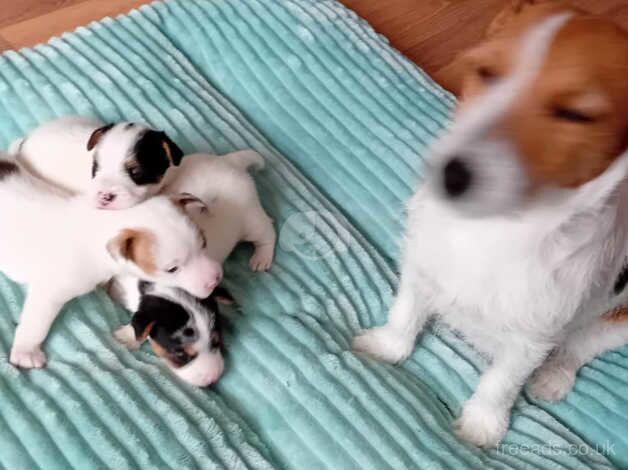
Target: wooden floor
[430,32]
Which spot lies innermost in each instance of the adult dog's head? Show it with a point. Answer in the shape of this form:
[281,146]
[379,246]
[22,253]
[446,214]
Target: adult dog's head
[542,104]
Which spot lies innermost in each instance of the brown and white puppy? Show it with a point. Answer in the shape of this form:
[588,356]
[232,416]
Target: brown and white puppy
[62,247]
[115,165]
[235,214]
[518,236]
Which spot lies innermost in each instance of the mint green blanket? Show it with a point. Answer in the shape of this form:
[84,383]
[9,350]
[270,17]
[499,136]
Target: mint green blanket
[342,120]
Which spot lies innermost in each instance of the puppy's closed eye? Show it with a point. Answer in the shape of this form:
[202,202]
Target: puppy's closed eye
[134,172]
[95,167]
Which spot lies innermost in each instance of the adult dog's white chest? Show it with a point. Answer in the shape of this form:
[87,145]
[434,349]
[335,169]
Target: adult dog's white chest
[494,279]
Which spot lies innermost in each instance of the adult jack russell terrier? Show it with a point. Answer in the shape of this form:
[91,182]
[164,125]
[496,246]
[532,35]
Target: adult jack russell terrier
[518,237]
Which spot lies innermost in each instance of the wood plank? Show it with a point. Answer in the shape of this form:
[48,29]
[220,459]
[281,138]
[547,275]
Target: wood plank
[429,32]
[4,44]
[40,28]
[432,32]
[20,10]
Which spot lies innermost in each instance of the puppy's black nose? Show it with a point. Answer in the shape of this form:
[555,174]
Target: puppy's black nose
[456,177]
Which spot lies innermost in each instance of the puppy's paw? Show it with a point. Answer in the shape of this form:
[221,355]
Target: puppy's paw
[262,258]
[481,425]
[384,343]
[126,335]
[552,382]
[28,359]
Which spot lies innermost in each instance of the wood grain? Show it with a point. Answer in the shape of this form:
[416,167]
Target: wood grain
[433,32]
[430,32]
[4,44]
[15,11]
[67,17]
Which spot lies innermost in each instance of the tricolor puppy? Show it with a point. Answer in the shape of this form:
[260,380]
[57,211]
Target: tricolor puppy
[183,331]
[115,165]
[63,247]
[518,237]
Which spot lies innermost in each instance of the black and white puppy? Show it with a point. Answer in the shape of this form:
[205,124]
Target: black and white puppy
[182,330]
[115,165]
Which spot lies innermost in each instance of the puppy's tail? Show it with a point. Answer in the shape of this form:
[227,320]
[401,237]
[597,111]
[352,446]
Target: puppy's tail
[16,146]
[245,159]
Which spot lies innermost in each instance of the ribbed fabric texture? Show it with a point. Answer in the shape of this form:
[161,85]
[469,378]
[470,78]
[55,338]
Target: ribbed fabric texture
[342,120]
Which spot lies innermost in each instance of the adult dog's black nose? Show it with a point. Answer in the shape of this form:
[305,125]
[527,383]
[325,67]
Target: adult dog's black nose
[456,177]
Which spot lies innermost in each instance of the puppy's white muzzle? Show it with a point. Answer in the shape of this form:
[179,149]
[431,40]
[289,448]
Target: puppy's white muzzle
[203,370]
[202,276]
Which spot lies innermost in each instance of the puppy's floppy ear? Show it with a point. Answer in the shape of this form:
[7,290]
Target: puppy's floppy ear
[97,135]
[134,245]
[222,296]
[142,323]
[188,203]
[172,150]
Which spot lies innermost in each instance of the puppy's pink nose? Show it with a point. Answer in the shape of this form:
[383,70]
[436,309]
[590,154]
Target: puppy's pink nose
[105,197]
[211,377]
[213,283]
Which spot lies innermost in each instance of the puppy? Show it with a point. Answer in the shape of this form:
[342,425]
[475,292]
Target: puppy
[234,210]
[518,237]
[234,214]
[62,247]
[115,165]
[182,330]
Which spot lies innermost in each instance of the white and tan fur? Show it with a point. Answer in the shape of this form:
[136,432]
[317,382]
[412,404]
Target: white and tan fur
[233,214]
[522,263]
[61,247]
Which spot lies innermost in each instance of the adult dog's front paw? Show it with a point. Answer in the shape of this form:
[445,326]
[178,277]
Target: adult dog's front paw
[27,359]
[384,343]
[552,382]
[481,425]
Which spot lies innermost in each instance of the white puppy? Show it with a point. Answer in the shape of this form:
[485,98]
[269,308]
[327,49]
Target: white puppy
[62,247]
[235,213]
[115,165]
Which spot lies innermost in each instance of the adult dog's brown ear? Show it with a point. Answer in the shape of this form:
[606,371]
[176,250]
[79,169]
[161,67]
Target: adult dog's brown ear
[525,12]
[451,76]
[507,14]
[135,245]
[97,135]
